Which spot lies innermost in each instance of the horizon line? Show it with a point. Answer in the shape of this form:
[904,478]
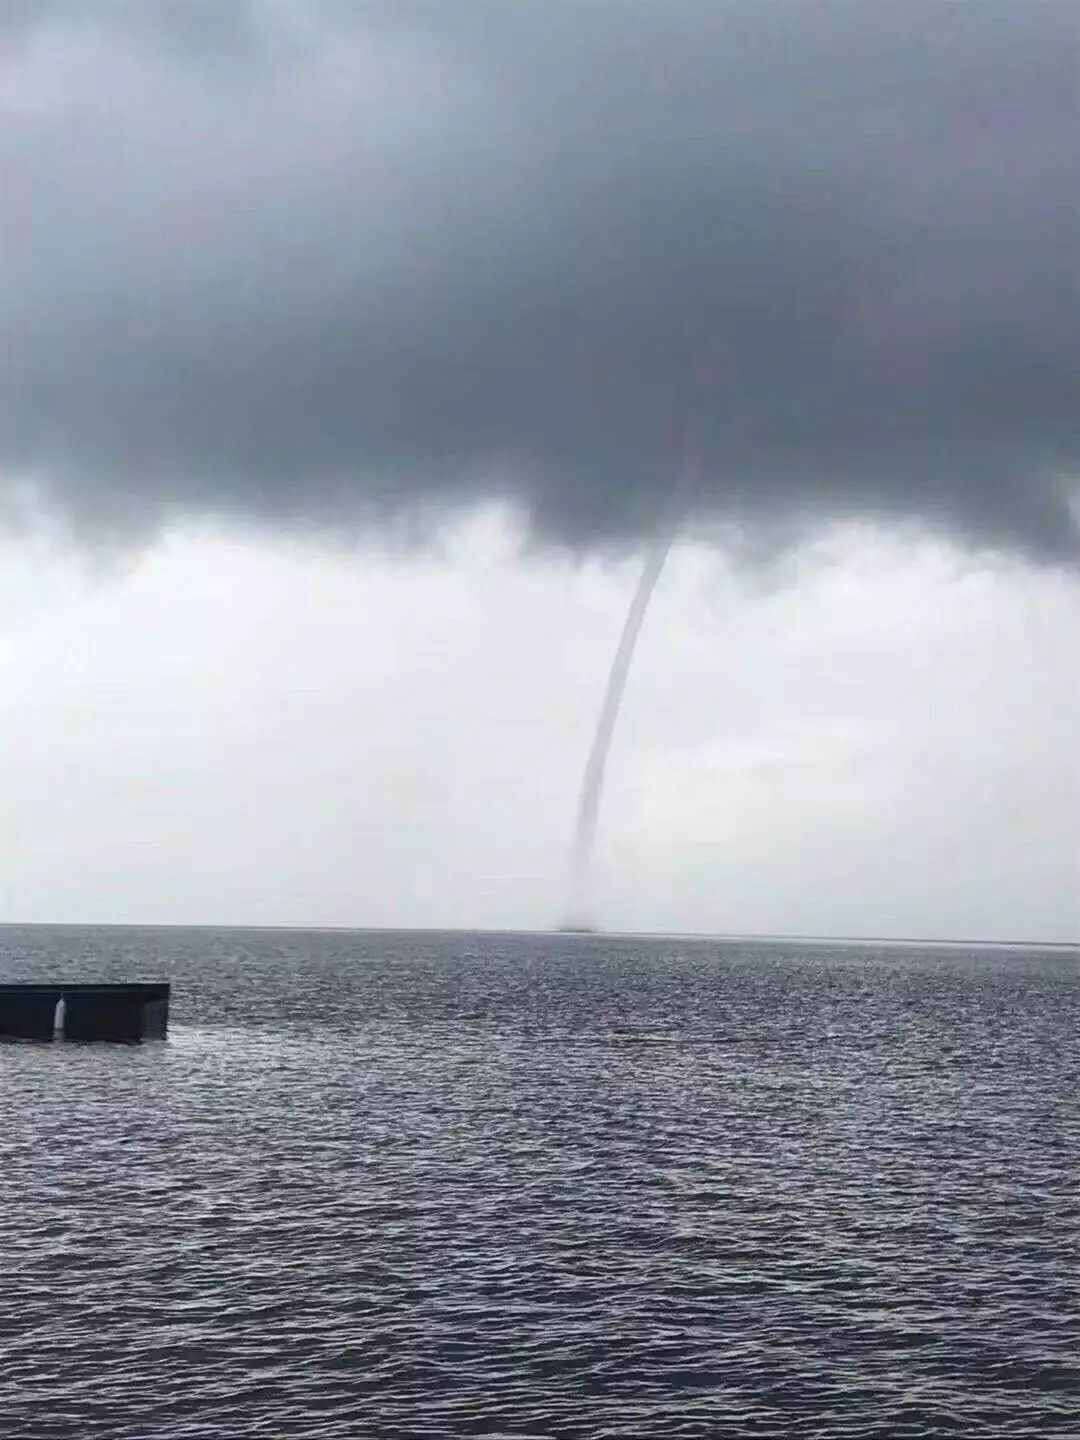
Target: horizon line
[704,936]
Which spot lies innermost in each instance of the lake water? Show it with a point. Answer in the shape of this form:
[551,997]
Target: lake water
[422,1185]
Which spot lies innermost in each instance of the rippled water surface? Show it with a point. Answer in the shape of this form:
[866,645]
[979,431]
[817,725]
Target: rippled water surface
[399,1185]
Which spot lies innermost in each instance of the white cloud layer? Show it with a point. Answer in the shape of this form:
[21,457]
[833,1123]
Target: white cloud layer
[880,739]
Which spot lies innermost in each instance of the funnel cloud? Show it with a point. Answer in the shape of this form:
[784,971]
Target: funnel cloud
[335,264]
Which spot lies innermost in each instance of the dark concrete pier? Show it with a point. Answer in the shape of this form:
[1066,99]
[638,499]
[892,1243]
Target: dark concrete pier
[84,1012]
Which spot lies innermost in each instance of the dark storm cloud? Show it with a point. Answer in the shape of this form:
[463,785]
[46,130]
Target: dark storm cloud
[323,263]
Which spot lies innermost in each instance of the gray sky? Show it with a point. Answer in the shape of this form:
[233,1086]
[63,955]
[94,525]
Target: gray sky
[879,738]
[289,288]
[324,261]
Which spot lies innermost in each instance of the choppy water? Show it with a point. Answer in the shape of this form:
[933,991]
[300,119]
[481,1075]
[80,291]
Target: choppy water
[409,1186]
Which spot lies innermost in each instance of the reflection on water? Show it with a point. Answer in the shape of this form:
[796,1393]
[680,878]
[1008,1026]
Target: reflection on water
[408,1186]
